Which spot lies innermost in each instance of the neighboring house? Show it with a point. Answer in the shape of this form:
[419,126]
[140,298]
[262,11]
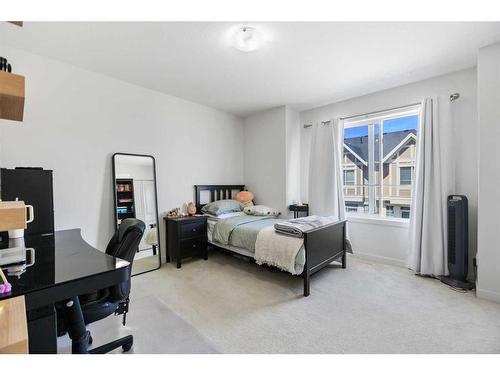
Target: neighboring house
[398,163]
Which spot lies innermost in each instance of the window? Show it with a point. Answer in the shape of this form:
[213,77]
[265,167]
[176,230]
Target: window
[405,175]
[405,212]
[349,177]
[379,162]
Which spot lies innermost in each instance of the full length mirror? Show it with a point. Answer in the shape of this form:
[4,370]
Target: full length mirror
[134,180]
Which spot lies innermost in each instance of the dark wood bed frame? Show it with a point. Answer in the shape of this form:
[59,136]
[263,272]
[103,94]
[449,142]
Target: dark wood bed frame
[322,245]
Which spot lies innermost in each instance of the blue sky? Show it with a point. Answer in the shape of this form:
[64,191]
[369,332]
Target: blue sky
[392,125]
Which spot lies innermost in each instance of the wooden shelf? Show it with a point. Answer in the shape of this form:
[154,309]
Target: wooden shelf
[127,195]
[11,96]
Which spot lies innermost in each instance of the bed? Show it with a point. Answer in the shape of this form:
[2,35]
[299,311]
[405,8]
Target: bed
[237,233]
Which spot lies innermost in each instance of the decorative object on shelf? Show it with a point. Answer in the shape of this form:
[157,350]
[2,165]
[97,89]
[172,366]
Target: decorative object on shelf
[11,93]
[245,197]
[191,208]
[174,213]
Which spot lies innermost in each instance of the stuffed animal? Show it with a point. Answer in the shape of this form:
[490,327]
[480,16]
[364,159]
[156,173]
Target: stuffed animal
[245,197]
[191,208]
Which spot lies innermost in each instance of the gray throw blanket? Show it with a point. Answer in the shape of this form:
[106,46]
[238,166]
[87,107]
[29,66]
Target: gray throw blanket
[297,227]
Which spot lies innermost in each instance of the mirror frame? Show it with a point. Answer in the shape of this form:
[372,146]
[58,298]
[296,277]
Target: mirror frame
[113,177]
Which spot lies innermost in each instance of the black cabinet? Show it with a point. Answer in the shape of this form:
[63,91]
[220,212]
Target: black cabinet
[34,187]
[186,237]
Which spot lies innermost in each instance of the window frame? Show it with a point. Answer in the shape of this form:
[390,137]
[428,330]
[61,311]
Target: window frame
[376,205]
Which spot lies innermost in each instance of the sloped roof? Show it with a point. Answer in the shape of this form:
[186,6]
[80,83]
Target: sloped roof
[392,140]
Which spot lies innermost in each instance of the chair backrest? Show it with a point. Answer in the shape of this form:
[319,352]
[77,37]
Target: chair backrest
[124,245]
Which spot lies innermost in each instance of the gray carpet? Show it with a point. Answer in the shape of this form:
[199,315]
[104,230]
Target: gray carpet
[227,305]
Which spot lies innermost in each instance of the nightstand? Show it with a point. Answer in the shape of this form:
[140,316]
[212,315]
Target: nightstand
[297,209]
[186,237]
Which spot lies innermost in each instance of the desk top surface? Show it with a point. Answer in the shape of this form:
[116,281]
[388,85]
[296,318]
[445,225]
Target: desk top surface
[56,260]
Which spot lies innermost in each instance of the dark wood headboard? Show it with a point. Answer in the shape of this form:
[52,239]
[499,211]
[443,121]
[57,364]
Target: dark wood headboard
[217,192]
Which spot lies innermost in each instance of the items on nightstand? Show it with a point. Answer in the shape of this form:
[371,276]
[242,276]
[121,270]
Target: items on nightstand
[174,212]
[191,209]
[186,237]
[298,208]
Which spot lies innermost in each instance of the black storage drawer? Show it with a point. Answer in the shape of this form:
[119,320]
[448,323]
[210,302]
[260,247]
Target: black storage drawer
[193,246]
[195,229]
[186,237]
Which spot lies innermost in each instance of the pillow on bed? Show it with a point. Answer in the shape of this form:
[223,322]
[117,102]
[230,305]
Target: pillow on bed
[261,210]
[223,206]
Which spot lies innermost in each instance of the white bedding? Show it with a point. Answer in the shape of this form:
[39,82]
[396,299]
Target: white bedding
[212,219]
[278,250]
[294,268]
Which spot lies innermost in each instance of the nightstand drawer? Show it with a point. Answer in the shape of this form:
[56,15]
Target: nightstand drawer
[195,229]
[193,246]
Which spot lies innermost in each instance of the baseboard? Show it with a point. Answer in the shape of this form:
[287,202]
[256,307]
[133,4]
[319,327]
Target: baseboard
[488,294]
[380,259]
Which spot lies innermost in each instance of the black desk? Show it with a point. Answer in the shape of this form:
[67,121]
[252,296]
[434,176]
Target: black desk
[65,266]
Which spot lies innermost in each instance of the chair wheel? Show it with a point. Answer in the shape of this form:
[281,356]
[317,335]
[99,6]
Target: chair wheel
[126,347]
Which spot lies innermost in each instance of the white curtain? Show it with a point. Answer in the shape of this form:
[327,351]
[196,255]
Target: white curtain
[428,240]
[326,195]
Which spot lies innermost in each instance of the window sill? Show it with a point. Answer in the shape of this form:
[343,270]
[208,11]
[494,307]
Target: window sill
[378,220]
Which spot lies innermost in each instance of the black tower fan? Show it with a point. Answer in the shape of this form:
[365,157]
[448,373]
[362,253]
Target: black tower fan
[458,243]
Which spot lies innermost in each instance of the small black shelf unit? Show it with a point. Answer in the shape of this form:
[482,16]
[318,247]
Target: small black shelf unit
[125,205]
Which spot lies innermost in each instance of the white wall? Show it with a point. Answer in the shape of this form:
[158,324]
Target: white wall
[488,257]
[464,138]
[265,157]
[272,157]
[292,130]
[75,120]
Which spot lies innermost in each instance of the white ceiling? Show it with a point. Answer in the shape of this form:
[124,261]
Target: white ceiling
[302,64]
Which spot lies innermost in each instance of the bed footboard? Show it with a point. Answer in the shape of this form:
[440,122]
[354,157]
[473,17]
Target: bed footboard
[323,246]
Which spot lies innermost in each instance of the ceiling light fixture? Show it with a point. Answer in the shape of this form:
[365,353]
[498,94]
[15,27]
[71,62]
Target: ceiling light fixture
[247,39]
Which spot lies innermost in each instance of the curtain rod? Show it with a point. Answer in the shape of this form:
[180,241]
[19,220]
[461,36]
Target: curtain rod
[367,114]
[383,110]
[453,97]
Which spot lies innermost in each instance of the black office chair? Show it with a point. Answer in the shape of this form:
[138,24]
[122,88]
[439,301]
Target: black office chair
[74,314]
